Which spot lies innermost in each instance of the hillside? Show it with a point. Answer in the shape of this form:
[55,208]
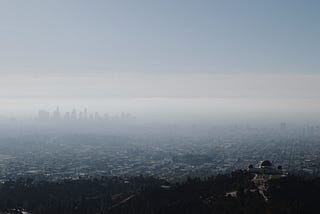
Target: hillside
[230,193]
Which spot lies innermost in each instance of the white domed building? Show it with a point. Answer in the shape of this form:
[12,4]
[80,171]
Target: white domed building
[265,167]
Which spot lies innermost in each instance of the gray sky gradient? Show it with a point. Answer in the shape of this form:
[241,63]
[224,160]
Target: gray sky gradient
[170,85]
[159,36]
[158,57]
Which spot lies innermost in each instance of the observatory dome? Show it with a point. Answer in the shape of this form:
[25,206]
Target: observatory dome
[265,164]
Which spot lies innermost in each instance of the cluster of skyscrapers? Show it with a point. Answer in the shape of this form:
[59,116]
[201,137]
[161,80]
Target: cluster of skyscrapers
[45,115]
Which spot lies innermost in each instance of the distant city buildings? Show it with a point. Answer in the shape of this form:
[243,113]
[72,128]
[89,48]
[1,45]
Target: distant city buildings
[56,115]
[43,115]
[105,154]
[283,126]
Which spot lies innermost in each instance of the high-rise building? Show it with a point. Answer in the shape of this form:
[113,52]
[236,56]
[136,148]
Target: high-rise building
[43,115]
[85,114]
[91,117]
[106,117]
[56,114]
[97,116]
[67,116]
[74,114]
[283,126]
[80,116]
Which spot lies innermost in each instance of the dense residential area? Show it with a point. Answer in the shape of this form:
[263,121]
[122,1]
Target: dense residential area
[189,151]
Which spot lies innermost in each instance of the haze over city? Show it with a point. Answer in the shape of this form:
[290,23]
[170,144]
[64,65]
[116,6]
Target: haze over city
[212,59]
[170,106]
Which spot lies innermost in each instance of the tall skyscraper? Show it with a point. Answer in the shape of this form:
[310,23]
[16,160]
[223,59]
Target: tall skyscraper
[85,114]
[283,126]
[80,116]
[74,114]
[97,116]
[67,116]
[56,114]
[43,115]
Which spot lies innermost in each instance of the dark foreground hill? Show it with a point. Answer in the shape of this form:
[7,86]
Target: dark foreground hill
[231,193]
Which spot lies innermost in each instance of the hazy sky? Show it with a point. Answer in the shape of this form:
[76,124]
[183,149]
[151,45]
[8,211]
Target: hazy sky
[204,56]
[159,36]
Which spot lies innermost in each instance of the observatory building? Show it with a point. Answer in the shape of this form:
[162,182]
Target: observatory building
[265,167]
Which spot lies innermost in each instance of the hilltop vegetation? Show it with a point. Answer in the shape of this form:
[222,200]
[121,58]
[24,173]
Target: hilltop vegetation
[230,193]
